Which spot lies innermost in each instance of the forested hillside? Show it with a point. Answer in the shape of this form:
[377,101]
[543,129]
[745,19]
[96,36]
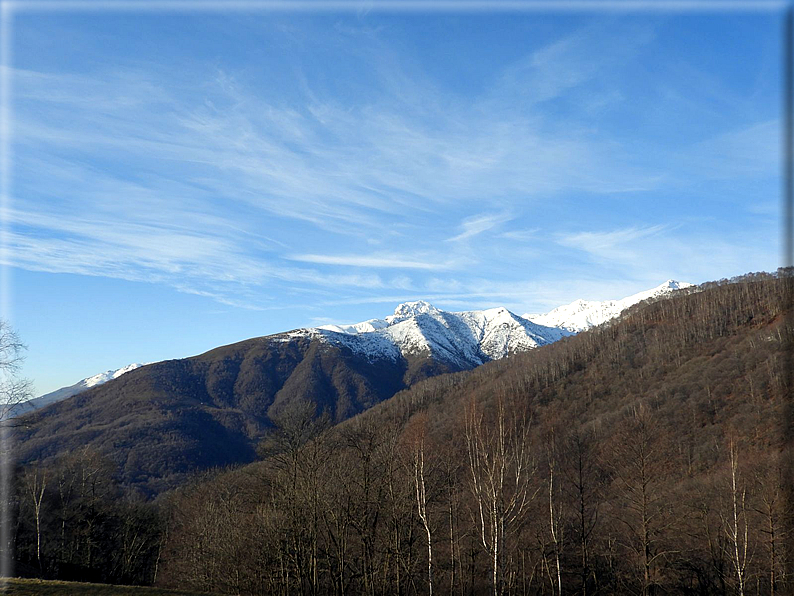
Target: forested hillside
[162,422]
[642,457]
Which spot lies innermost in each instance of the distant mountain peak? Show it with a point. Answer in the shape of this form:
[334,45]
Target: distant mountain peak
[461,340]
[414,308]
[106,376]
[79,387]
[672,284]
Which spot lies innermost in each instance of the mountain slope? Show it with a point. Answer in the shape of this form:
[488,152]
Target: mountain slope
[461,339]
[66,392]
[164,420]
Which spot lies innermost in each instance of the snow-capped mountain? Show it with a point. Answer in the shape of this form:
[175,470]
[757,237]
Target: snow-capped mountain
[460,339]
[581,315]
[466,339]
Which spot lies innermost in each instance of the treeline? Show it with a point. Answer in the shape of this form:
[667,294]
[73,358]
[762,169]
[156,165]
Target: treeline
[643,457]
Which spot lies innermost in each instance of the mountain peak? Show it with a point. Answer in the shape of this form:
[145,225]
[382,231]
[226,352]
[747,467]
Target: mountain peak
[411,309]
[672,284]
[462,339]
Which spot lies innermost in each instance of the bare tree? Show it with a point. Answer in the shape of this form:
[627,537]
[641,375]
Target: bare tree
[297,453]
[416,438]
[586,479]
[771,506]
[555,511]
[640,471]
[13,390]
[736,523]
[35,481]
[501,469]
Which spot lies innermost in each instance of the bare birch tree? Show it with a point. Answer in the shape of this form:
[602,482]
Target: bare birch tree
[736,524]
[35,481]
[555,512]
[501,466]
[417,434]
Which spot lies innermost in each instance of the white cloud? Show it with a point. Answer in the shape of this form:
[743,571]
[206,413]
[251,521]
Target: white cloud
[205,182]
[611,245]
[475,225]
[521,235]
[394,261]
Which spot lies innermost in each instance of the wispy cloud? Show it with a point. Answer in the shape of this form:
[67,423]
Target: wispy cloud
[522,235]
[659,252]
[165,187]
[748,151]
[610,245]
[594,241]
[473,226]
[569,62]
[377,261]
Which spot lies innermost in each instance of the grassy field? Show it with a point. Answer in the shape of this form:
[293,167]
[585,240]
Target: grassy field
[35,587]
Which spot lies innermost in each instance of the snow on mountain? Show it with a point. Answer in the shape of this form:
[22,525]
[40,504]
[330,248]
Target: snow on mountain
[581,315]
[65,392]
[106,376]
[461,339]
[470,338]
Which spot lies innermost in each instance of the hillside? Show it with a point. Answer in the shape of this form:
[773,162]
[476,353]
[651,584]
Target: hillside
[165,420]
[629,459]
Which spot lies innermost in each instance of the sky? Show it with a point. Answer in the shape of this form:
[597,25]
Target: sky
[184,180]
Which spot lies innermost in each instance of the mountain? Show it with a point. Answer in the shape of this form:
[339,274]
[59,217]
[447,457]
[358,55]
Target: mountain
[161,422]
[460,339]
[580,315]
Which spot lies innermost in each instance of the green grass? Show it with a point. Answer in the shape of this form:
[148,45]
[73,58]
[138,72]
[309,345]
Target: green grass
[37,587]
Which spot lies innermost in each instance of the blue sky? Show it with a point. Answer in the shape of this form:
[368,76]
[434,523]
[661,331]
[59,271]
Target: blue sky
[182,181]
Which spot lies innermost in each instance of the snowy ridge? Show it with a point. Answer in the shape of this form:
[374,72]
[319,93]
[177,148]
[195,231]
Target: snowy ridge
[471,338]
[106,376]
[66,392]
[461,339]
[581,315]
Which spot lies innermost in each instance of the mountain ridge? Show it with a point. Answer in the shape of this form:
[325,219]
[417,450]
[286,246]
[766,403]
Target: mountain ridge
[581,315]
[496,332]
